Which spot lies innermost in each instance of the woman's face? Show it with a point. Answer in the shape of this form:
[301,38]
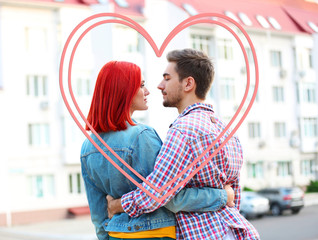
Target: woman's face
[139,101]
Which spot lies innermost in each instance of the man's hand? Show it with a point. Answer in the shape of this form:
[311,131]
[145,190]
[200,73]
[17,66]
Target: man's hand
[114,206]
[230,195]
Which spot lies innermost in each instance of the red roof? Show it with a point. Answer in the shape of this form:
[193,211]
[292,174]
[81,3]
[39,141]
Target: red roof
[302,18]
[134,8]
[290,14]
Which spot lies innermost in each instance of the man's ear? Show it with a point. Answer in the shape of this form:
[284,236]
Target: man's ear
[189,84]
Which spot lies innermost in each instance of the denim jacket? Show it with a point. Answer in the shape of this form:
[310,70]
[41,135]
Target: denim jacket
[138,146]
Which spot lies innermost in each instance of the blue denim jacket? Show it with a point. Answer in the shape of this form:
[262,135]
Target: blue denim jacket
[138,146]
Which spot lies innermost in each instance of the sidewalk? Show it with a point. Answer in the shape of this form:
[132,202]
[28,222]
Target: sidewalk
[311,199]
[79,228]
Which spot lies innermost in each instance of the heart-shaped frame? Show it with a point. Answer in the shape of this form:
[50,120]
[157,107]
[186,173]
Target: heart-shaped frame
[197,19]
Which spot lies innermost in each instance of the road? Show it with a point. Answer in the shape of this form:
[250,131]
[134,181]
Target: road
[303,226]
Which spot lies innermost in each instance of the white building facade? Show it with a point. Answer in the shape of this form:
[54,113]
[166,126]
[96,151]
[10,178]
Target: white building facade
[40,167]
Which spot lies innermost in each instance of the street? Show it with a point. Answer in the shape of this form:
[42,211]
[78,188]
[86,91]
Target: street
[303,226]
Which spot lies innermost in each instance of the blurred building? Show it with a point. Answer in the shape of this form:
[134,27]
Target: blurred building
[40,175]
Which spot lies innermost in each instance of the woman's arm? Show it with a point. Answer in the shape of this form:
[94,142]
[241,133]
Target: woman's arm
[201,199]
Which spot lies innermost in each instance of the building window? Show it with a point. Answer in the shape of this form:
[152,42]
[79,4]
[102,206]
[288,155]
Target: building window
[37,85]
[41,186]
[278,94]
[225,49]
[251,92]
[284,169]
[227,86]
[310,127]
[75,183]
[276,58]
[280,129]
[39,134]
[254,130]
[307,167]
[255,170]
[131,43]
[310,58]
[309,92]
[83,87]
[201,42]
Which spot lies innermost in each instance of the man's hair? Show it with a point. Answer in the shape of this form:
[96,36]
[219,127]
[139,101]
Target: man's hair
[116,85]
[196,64]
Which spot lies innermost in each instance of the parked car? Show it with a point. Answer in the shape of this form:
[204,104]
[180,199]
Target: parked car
[284,198]
[253,205]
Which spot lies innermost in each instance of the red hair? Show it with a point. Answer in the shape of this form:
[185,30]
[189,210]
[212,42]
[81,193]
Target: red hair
[116,85]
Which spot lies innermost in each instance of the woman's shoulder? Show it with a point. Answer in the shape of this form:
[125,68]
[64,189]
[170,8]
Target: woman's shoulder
[141,128]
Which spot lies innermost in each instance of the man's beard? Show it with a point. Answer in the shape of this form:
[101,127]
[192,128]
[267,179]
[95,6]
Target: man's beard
[175,100]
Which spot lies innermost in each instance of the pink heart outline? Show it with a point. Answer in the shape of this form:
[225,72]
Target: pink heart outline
[180,27]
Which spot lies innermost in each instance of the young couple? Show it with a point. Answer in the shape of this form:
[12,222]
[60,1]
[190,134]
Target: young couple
[202,207]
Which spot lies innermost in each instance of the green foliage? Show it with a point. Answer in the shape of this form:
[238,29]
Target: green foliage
[246,189]
[312,187]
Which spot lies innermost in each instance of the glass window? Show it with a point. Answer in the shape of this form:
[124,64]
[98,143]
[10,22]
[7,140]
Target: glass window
[255,170]
[36,85]
[225,49]
[276,58]
[309,92]
[309,127]
[201,42]
[75,183]
[251,92]
[41,186]
[307,167]
[280,129]
[83,87]
[274,23]
[262,21]
[278,94]
[284,169]
[227,86]
[245,19]
[254,130]
[39,134]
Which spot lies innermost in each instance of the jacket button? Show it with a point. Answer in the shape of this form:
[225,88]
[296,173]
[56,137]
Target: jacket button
[106,224]
[129,228]
[137,227]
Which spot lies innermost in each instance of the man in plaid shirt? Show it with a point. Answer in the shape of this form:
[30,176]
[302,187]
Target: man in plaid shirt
[186,82]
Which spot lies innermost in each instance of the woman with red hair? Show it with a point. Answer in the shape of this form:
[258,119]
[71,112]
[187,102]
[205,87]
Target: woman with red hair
[119,91]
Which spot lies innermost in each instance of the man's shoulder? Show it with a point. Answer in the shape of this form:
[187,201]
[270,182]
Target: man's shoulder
[196,123]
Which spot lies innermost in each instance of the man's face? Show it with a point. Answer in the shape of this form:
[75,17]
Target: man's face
[171,87]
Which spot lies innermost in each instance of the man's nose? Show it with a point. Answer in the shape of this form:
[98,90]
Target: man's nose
[161,85]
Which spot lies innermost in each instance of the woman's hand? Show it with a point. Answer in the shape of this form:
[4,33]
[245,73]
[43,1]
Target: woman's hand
[113,206]
[230,195]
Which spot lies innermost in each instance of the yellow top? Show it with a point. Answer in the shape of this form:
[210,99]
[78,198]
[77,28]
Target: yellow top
[155,233]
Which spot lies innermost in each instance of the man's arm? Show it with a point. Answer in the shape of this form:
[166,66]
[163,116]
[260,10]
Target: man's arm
[189,200]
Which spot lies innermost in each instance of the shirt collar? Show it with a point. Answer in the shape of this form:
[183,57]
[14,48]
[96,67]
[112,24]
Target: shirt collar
[195,106]
[188,109]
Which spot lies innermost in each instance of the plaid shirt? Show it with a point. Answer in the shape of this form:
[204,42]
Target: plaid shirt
[191,133]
